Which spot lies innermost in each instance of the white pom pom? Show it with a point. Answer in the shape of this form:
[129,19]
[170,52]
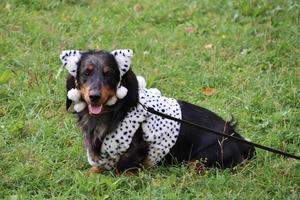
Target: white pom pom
[141,81]
[155,91]
[112,101]
[121,92]
[78,107]
[74,94]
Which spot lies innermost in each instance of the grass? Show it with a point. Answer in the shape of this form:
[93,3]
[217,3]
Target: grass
[247,50]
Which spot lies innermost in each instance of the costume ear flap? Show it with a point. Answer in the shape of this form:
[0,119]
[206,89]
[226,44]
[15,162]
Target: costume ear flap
[70,83]
[70,58]
[123,58]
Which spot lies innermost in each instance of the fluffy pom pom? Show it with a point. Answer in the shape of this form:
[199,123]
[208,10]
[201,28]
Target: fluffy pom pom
[155,91]
[74,94]
[112,101]
[121,92]
[78,107]
[141,81]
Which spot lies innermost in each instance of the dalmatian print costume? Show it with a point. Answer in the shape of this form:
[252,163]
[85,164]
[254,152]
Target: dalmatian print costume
[160,133]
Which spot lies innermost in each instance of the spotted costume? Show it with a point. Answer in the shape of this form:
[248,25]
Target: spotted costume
[160,133]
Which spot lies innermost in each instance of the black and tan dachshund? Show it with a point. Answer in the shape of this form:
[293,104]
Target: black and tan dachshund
[97,79]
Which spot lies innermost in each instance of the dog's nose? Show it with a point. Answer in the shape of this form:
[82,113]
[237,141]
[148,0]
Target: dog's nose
[94,97]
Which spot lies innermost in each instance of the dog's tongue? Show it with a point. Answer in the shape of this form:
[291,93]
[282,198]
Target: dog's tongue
[95,109]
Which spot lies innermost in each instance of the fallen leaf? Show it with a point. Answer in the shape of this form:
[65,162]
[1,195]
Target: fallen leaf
[137,8]
[298,73]
[190,29]
[208,46]
[209,91]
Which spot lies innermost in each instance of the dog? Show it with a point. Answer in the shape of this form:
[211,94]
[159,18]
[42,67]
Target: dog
[119,134]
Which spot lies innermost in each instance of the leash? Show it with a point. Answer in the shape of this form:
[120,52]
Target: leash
[182,121]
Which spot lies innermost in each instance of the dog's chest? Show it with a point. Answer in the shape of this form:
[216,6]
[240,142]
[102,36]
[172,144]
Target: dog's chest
[161,134]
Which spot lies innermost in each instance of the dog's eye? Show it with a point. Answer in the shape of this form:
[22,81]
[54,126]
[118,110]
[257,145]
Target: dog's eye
[87,72]
[106,72]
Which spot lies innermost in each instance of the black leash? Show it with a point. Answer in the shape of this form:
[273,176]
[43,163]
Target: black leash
[182,121]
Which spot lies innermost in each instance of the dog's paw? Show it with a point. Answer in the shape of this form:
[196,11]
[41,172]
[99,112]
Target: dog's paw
[197,165]
[95,170]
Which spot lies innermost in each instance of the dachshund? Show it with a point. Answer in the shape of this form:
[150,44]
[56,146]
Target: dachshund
[120,135]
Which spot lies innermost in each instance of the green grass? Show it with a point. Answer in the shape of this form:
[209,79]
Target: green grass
[254,65]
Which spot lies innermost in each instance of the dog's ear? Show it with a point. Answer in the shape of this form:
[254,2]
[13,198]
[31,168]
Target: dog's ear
[70,83]
[129,81]
[70,59]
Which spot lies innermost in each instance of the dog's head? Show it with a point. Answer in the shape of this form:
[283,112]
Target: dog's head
[98,75]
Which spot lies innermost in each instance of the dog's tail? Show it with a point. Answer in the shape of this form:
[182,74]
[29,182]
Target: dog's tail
[248,151]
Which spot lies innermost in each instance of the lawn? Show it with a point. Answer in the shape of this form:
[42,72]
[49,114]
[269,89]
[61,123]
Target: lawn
[239,58]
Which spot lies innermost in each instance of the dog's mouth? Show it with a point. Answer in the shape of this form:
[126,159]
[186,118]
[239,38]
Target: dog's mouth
[96,109]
